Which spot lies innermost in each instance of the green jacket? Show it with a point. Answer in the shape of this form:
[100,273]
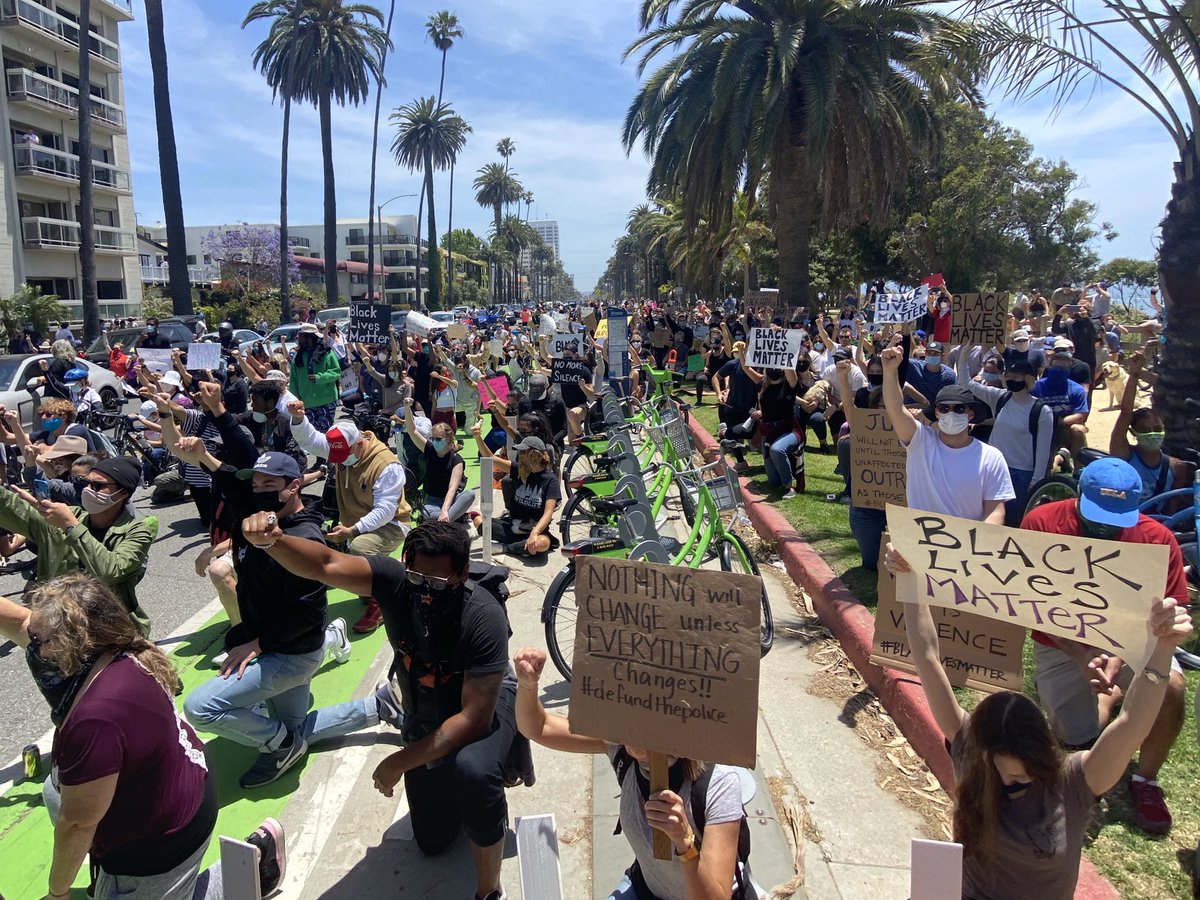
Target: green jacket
[323,389]
[115,559]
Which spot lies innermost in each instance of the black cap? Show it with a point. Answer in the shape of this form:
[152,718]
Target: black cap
[1019,367]
[934,347]
[121,469]
[274,463]
[841,353]
[955,393]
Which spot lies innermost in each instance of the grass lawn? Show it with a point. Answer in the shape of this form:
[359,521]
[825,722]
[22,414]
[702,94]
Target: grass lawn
[1138,865]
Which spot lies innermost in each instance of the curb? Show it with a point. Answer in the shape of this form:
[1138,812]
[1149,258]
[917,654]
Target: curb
[853,625]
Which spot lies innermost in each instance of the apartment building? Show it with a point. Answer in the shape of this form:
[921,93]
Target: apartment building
[39,114]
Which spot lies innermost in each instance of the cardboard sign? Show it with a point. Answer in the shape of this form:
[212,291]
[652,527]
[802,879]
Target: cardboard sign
[590,321]
[569,371]
[764,297]
[667,658]
[1095,592]
[157,361]
[496,348]
[976,652]
[369,323]
[897,309]
[204,357]
[456,331]
[877,460]
[499,386]
[773,348]
[418,324]
[979,319]
[561,342]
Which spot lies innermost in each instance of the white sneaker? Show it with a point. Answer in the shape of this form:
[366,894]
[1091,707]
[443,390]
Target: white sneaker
[336,643]
[790,495]
[219,659]
[721,431]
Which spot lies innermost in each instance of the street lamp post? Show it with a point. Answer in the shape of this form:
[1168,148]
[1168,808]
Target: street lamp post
[371,264]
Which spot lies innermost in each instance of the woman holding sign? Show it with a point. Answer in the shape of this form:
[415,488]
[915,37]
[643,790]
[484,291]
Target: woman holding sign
[705,859]
[1022,806]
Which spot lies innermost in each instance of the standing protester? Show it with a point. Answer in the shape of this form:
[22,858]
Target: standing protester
[150,339]
[314,377]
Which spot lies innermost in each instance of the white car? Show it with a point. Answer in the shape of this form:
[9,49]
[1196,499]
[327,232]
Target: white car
[443,317]
[17,371]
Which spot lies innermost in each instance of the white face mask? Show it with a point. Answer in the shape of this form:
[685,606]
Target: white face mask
[953,423]
[350,461]
[259,417]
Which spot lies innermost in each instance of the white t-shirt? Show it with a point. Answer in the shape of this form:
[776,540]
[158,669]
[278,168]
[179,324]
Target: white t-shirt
[954,481]
[857,380]
[1010,433]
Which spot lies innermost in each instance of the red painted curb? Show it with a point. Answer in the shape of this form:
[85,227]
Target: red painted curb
[854,627]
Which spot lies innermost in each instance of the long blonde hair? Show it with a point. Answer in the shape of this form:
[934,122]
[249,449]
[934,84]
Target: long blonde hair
[87,620]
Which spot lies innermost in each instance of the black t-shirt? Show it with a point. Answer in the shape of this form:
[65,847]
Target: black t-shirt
[526,500]
[236,395]
[438,470]
[431,662]
[777,402]
[1080,373]
[572,393]
[154,342]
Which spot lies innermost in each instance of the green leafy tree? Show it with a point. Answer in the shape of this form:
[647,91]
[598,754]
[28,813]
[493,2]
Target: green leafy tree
[429,136]
[29,304]
[1129,280]
[465,241]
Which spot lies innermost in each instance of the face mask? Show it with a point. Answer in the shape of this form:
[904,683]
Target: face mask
[875,380]
[1149,440]
[267,501]
[439,613]
[1015,788]
[439,445]
[51,424]
[1015,386]
[1098,530]
[953,423]
[991,377]
[258,417]
[819,347]
[933,361]
[96,502]
[350,461]
[59,690]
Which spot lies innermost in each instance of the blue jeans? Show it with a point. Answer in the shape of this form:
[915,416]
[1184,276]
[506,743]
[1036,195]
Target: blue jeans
[868,526]
[458,506]
[233,707]
[1014,510]
[778,461]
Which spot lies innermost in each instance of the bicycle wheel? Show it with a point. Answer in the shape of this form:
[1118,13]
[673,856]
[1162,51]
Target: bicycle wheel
[580,520]
[577,465]
[560,623]
[736,557]
[1055,487]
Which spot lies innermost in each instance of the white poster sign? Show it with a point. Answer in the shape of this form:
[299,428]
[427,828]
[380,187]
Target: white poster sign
[560,343]
[773,348]
[896,309]
[418,324]
[203,357]
[158,361]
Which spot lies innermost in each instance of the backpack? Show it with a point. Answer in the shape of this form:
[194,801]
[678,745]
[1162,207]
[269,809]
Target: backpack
[622,762]
[1035,416]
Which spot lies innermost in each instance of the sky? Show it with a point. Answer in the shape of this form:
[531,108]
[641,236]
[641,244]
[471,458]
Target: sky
[547,75]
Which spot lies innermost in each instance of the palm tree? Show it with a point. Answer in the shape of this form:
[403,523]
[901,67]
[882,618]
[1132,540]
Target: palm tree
[168,164]
[429,136]
[442,29]
[496,186]
[323,52]
[506,148]
[527,199]
[831,96]
[1148,50]
[374,159]
[515,236]
[87,212]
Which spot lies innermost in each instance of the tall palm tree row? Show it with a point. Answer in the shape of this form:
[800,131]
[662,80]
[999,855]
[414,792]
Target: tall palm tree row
[442,29]
[832,97]
[168,164]
[496,187]
[322,52]
[429,137]
[374,160]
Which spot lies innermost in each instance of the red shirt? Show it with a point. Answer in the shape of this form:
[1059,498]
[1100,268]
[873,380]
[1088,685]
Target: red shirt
[1061,518]
[118,363]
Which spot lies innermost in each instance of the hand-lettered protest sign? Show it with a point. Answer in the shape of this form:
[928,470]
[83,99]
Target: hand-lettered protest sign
[877,460]
[202,357]
[976,652]
[897,309]
[347,382]
[561,342]
[773,348]
[1095,592]
[456,331]
[590,321]
[667,658]
[156,360]
[369,323]
[419,325]
[499,386]
[979,319]
[496,348]
[695,362]
[568,371]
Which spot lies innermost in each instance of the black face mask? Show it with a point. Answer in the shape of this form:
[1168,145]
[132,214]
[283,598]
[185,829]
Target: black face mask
[1015,788]
[59,690]
[1015,386]
[875,380]
[437,615]
[267,501]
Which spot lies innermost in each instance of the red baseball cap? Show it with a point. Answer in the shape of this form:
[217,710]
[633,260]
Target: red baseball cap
[342,437]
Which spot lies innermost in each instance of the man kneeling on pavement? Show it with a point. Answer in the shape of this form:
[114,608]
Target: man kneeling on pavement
[448,628]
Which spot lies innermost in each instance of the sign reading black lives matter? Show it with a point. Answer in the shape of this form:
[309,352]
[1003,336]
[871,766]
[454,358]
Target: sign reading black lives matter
[773,348]
[568,371]
[369,322]
[667,658]
[979,319]
[1098,593]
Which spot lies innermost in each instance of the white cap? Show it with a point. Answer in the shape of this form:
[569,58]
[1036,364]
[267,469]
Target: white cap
[147,409]
[171,377]
[1021,334]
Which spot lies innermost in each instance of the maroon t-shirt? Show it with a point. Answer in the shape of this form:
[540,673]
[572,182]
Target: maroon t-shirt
[125,724]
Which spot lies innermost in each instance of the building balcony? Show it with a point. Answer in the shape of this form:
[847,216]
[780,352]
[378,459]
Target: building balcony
[121,10]
[30,87]
[55,165]
[35,18]
[199,276]
[60,234]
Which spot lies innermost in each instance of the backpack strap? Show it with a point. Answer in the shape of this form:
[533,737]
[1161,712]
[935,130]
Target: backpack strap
[1035,419]
[622,762]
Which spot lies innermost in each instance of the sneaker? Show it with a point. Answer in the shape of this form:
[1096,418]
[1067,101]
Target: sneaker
[336,642]
[721,431]
[219,659]
[371,619]
[272,764]
[390,712]
[728,444]
[1150,811]
[272,858]
[790,495]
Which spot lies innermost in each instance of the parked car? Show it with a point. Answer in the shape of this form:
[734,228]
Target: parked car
[339,314]
[443,317]
[17,371]
[285,335]
[177,331]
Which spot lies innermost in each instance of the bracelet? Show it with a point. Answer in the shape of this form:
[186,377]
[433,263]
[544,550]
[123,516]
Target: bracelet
[267,546]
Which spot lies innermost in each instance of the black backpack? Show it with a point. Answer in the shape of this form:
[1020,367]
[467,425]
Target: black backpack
[1035,416]
[622,762]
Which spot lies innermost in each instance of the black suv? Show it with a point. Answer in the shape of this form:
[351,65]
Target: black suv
[178,331]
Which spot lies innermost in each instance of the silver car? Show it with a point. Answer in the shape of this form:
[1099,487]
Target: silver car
[17,371]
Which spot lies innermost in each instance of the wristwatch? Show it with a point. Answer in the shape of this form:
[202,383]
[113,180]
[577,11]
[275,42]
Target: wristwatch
[1154,676]
[691,852]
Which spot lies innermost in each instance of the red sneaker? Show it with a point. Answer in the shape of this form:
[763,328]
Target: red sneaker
[371,619]
[1150,811]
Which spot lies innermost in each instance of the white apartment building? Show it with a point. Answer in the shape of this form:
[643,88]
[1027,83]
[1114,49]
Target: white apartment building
[39,218]
[548,230]
[395,250]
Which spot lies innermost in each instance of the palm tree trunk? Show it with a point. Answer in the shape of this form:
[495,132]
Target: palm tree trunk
[87,213]
[442,81]
[168,164]
[794,202]
[374,156]
[496,224]
[450,235]
[435,258]
[325,111]
[285,300]
[420,217]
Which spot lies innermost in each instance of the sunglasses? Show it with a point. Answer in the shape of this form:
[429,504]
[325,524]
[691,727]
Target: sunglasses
[428,582]
[944,408]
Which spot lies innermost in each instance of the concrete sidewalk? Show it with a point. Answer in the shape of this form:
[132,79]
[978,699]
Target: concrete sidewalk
[347,841]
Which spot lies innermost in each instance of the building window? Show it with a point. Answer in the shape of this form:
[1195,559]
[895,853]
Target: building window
[191,260]
[358,255]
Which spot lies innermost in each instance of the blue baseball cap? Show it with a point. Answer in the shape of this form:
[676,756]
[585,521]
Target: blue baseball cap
[1110,491]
